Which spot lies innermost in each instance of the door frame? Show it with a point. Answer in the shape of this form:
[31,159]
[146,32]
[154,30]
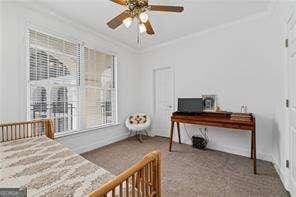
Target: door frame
[288,132]
[154,70]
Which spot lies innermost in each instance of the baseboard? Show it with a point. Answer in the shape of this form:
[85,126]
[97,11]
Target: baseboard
[155,133]
[224,148]
[233,150]
[282,175]
[289,186]
[101,143]
[293,191]
[239,151]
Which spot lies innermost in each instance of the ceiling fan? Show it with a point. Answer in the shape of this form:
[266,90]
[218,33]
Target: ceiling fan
[137,9]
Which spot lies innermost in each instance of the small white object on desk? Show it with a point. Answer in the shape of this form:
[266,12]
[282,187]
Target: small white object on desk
[244,109]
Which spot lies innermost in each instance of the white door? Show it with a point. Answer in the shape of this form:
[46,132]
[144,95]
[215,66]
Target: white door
[291,60]
[163,100]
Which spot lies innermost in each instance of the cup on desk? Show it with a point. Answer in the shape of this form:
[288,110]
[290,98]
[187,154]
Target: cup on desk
[244,109]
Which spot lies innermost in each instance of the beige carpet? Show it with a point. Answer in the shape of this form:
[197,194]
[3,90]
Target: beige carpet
[191,172]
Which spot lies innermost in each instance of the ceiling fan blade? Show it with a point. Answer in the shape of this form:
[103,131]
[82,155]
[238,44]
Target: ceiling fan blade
[165,8]
[149,28]
[115,22]
[120,2]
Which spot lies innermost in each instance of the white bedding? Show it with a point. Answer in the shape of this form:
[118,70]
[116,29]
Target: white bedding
[47,168]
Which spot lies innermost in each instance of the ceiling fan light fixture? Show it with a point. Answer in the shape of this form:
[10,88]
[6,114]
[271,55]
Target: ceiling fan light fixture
[139,10]
[127,22]
[142,28]
[143,17]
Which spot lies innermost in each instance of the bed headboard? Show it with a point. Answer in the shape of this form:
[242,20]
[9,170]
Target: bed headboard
[26,129]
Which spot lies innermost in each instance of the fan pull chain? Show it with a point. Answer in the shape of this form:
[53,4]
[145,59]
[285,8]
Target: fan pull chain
[139,38]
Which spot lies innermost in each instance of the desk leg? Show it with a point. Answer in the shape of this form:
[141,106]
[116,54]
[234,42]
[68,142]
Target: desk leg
[178,128]
[254,150]
[252,146]
[171,136]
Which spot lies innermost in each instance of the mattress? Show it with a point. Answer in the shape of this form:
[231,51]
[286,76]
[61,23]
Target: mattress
[47,168]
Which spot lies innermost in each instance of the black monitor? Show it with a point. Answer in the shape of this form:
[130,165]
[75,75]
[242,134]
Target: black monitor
[190,105]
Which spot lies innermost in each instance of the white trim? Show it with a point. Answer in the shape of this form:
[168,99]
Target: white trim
[207,31]
[172,68]
[283,172]
[115,75]
[81,88]
[240,151]
[38,7]
[68,133]
[293,191]
[158,132]
[282,175]
[154,85]
[287,178]
[101,143]
[26,61]
[115,78]
[231,149]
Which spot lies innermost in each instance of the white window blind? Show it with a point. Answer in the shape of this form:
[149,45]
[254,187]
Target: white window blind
[100,94]
[75,100]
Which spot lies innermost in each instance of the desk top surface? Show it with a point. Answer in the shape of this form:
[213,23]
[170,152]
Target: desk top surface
[205,113]
[214,117]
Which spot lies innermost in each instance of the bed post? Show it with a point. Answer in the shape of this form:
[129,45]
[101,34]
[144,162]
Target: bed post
[147,183]
[49,128]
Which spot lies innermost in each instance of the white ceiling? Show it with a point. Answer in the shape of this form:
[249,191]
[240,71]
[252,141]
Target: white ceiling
[197,16]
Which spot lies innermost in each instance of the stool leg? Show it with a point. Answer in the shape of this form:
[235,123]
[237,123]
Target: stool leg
[139,137]
[146,133]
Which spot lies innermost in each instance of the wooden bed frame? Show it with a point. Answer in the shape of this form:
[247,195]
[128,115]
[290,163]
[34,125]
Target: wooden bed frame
[141,179]
[26,129]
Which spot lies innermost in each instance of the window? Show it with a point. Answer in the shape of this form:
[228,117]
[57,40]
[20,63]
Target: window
[99,88]
[77,93]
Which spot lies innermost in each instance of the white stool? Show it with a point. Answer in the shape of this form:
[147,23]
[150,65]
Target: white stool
[138,123]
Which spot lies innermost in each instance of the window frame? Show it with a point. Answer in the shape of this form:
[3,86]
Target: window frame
[81,67]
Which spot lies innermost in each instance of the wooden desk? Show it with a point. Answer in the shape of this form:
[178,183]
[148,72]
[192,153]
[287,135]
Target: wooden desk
[216,119]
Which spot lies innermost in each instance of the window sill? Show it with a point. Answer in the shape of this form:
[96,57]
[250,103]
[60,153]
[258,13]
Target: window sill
[60,135]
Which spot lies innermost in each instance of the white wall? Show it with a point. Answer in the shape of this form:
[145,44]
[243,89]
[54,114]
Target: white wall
[15,18]
[239,63]
[244,63]
[1,52]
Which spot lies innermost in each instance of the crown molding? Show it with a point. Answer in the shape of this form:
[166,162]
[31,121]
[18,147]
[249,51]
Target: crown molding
[260,15]
[37,7]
